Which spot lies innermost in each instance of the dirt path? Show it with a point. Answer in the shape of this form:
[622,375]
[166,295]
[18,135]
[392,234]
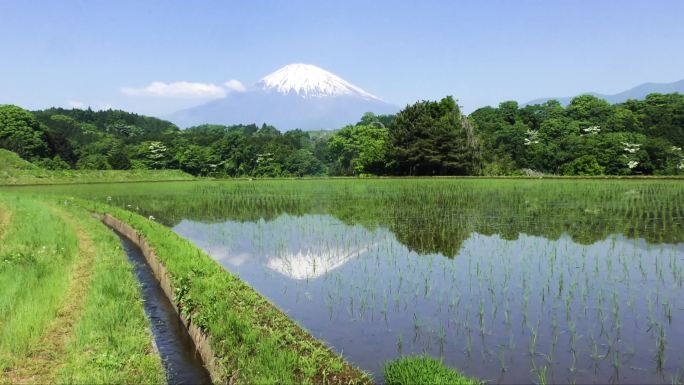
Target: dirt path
[42,362]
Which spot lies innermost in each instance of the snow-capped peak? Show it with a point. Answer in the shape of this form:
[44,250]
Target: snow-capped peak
[307,80]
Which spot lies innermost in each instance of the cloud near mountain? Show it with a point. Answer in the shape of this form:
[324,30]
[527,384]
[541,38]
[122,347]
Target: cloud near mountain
[183,89]
[235,85]
[296,96]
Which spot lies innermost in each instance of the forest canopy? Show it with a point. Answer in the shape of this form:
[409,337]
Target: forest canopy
[588,137]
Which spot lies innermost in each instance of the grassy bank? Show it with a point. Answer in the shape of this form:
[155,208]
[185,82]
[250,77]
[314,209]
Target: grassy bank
[40,176]
[37,253]
[254,341]
[17,171]
[70,308]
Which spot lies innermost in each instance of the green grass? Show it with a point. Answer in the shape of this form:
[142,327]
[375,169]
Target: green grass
[52,330]
[17,171]
[423,370]
[11,161]
[255,342]
[112,342]
[36,253]
[429,215]
[40,176]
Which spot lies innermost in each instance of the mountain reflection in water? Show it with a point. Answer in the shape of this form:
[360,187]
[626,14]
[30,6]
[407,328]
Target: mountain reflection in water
[373,298]
[298,247]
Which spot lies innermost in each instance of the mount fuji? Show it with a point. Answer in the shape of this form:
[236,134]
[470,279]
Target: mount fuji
[296,96]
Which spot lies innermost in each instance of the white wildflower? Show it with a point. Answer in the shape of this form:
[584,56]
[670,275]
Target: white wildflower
[631,147]
[532,137]
[592,130]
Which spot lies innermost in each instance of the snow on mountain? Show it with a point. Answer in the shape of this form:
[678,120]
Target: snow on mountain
[307,80]
[295,96]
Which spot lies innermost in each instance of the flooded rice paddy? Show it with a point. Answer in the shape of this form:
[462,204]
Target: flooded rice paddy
[511,281]
[598,311]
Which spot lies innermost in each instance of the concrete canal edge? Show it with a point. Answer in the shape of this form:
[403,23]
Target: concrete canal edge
[201,340]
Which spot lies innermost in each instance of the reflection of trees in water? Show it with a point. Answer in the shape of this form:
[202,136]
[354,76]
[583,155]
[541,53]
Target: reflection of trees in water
[425,236]
[438,215]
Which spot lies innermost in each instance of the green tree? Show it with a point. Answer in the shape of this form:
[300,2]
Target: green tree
[21,132]
[509,111]
[197,160]
[154,155]
[55,163]
[622,120]
[661,115]
[589,108]
[94,162]
[370,119]
[118,158]
[534,115]
[267,166]
[360,149]
[302,162]
[584,165]
[433,138]
[236,155]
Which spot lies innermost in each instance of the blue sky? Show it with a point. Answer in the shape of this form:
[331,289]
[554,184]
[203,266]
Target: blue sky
[98,53]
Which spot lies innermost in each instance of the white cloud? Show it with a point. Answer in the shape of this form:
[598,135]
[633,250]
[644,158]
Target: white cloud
[235,85]
[180,89]
[75,104]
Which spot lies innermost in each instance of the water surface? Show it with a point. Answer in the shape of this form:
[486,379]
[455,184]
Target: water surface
[182,363]
[502,310]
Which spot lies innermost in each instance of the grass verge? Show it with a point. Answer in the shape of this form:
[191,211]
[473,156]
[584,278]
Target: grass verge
[17,171]
[48,177]
[70,307]
[254,341]
[44,358]
[36,255]
[111,341]
[4,220]
[423,370]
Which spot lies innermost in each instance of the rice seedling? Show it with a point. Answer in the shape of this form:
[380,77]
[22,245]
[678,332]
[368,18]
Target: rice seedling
[541,375]
[660,349]
[533,339]
[442,339]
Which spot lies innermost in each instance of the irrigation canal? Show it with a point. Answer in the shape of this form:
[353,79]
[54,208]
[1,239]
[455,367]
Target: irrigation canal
[182,362]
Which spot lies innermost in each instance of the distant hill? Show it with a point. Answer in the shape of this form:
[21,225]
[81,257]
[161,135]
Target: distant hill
[295,96]
[116,122]
[638,92]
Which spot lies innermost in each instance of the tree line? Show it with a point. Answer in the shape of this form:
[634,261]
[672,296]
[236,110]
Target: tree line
[588,137]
